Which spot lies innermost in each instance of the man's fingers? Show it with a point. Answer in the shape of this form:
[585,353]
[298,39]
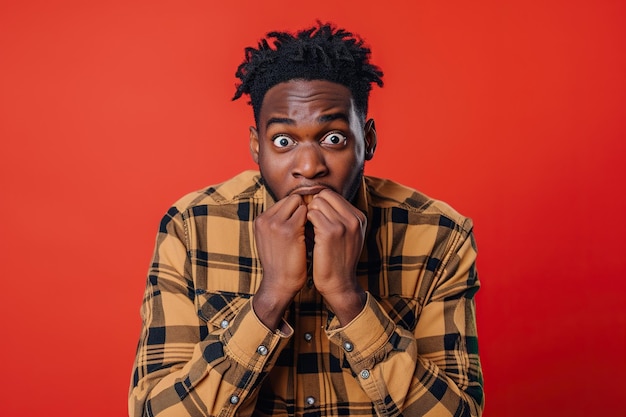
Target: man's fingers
[285,208]
[336,208]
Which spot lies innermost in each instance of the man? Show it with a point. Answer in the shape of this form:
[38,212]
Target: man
[309,289]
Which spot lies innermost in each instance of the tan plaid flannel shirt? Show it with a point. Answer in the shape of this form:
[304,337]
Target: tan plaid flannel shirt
[412,351]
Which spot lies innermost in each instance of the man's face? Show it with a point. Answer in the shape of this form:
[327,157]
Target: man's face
[309,138]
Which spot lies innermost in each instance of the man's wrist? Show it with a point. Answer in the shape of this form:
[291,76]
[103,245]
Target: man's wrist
[347,305]
[269,309]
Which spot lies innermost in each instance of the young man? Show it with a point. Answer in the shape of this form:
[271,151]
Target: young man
[309,289]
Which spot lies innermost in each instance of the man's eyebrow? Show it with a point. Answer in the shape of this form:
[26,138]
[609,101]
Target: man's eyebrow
[334,116]
[280,120]
[322,119]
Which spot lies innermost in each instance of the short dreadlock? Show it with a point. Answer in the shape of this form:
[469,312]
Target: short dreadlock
[322,52]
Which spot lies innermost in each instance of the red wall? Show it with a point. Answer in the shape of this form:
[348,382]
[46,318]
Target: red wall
[513,112]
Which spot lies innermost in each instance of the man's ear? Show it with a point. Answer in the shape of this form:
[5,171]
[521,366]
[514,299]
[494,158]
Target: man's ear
[254,144]
[370,139]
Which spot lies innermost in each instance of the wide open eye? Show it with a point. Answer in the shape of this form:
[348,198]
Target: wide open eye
[282,141]
[334,138]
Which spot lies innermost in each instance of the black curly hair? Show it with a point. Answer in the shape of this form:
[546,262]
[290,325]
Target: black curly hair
[322,52]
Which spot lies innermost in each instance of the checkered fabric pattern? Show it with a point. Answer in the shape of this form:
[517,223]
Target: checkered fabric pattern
[412,351]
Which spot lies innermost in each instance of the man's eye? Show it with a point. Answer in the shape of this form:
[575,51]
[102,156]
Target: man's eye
[283,141]
[334,138]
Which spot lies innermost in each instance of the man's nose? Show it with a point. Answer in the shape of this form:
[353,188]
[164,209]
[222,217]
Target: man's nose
[310,161]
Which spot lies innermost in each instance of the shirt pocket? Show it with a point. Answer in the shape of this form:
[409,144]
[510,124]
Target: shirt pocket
[218,309]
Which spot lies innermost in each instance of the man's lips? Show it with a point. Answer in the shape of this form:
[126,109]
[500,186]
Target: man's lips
[307,193]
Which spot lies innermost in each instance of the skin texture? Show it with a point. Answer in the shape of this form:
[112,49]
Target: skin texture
[310,146]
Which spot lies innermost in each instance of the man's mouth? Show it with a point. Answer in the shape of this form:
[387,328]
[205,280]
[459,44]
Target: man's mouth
[308,193]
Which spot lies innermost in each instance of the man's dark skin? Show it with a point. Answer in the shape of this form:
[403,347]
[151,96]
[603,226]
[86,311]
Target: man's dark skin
[310,145]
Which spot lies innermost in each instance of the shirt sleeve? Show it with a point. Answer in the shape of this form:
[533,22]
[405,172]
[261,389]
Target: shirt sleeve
[180,368]
[433,370]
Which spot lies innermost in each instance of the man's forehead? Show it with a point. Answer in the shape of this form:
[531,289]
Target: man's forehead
[304,96]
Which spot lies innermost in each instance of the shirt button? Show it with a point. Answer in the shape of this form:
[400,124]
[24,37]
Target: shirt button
[365,374]
[348,347]
[262,350]
[234,399]
[309,283]
[224,324]
[308,337]
[310,400]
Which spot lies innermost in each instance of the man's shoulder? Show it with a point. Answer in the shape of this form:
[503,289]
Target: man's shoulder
[245,185]
[385,193]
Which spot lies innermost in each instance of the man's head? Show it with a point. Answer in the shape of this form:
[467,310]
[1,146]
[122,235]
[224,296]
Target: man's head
[322,52]
[309,96]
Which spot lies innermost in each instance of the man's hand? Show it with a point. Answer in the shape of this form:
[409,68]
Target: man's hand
[279,236]
[339,233]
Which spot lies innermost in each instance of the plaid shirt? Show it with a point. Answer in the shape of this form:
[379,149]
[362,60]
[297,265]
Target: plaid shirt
[412,351]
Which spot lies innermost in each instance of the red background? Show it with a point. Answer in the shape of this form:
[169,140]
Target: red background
[513,112]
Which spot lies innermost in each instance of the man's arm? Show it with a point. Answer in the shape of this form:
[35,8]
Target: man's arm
[181,369]
[280,241]
[339,234]
[432,371]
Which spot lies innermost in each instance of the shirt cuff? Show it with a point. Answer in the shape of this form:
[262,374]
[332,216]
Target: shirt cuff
[249,342]
[364,339]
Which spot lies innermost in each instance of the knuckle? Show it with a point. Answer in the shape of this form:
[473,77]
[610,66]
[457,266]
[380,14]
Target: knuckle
[259,223]
[338,229]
